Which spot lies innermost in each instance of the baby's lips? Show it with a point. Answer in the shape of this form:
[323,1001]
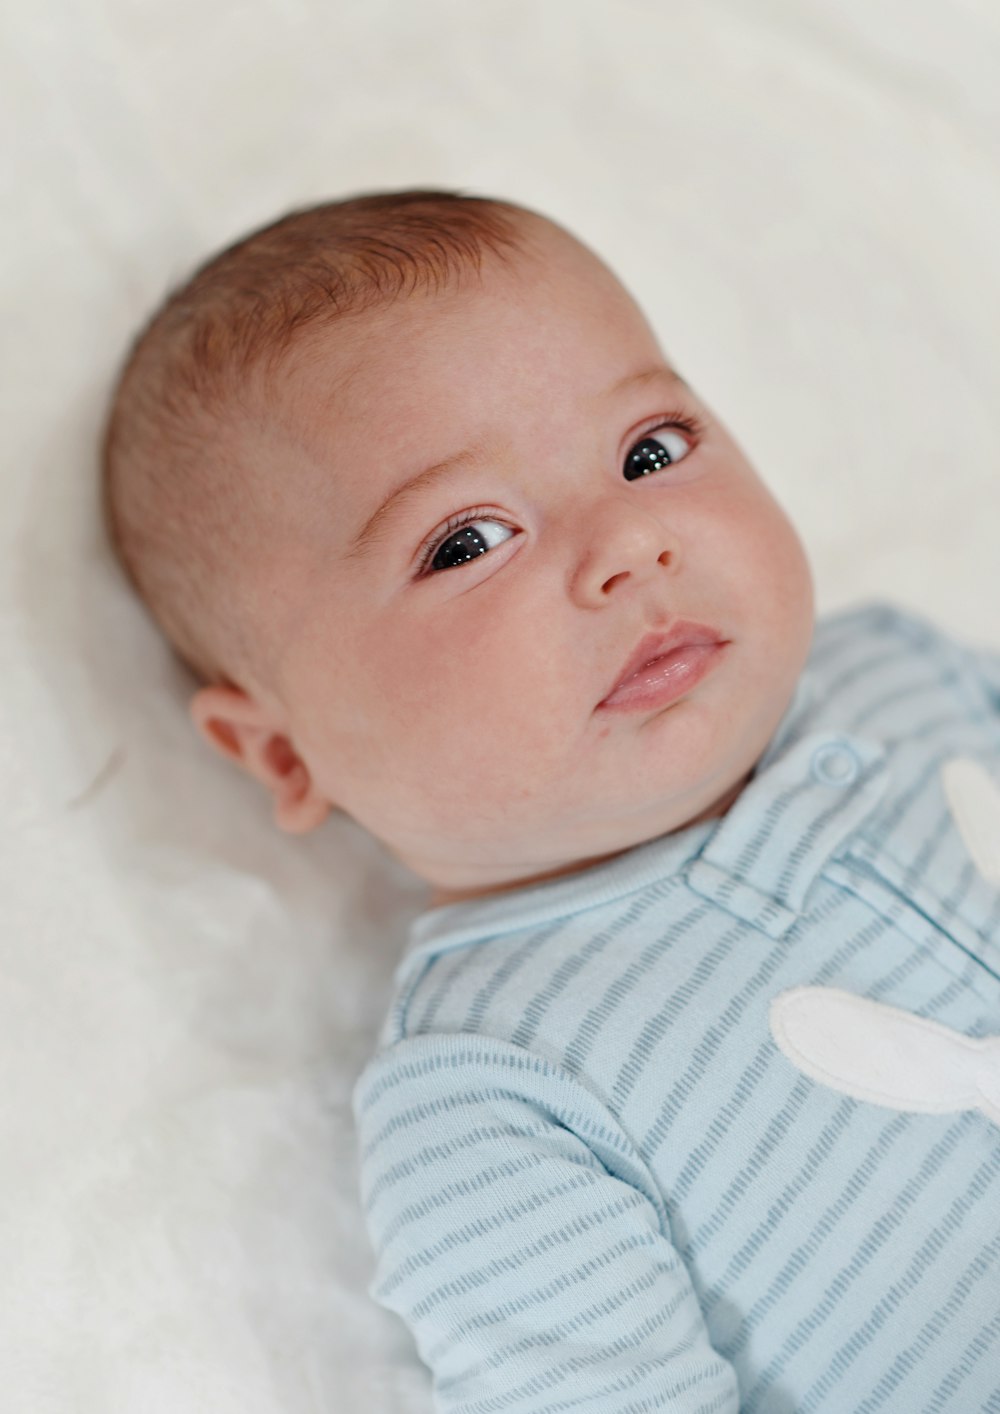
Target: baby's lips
[683,633]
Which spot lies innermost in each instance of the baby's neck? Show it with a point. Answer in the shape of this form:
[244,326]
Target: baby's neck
[442,896]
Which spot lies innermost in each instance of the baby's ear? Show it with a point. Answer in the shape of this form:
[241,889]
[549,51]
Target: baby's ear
[243,731]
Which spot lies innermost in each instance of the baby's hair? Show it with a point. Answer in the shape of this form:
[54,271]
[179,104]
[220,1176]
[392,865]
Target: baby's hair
[179,502]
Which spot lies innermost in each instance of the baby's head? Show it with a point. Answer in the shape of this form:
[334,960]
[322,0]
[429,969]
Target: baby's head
[406,480]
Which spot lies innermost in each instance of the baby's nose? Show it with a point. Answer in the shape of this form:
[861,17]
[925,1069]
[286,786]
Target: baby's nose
[618,542]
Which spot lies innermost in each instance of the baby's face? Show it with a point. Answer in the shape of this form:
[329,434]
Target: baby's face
[445,687]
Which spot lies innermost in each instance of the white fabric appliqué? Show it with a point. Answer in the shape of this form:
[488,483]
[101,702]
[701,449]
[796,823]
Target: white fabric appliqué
[974,800]
[886,1056]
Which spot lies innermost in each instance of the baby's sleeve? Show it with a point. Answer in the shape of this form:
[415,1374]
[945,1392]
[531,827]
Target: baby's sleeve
[523,1241]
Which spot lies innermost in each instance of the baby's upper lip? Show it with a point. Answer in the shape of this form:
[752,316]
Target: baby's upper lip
[654,645]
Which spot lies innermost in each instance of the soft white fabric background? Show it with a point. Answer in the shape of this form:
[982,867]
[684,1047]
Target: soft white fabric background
[806,196]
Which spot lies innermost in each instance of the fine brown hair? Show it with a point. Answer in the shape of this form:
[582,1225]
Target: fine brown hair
[180,503]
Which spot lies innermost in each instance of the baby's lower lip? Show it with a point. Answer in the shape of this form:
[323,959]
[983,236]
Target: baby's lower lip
[665,679]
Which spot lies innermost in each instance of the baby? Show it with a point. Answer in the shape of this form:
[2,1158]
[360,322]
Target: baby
[686,1099]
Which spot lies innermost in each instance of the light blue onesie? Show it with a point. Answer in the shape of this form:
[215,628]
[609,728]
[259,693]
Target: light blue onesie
[593,1178]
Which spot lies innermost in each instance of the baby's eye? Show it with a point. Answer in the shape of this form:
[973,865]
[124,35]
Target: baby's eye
[463,540]
[659,448]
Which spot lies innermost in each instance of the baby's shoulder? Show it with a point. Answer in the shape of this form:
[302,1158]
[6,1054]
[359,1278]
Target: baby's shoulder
[880,618]
[900,654]
[859,632]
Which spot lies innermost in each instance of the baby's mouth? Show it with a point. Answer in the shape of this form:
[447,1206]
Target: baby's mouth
[665,665]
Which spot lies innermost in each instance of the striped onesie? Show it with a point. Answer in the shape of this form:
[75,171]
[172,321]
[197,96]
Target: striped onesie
[714,1125]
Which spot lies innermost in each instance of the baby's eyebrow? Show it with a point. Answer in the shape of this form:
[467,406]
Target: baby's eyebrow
[658,372]
[394,502]
[471,456]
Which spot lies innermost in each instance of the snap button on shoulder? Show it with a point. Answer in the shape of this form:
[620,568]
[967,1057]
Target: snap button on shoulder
[834,764]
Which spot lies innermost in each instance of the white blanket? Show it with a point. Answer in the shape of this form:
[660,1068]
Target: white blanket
[805,194]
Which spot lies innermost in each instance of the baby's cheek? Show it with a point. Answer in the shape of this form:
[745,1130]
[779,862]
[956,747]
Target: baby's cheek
[485,745]
[767,554]
[485,698]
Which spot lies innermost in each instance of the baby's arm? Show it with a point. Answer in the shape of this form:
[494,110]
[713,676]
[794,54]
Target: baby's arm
[521,1238]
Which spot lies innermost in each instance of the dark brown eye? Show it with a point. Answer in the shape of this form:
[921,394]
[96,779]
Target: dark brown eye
[659,448]
[464,544]
[463,539]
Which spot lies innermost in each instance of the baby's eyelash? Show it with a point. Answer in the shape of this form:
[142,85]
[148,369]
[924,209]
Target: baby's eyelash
[685,421]
[693,426]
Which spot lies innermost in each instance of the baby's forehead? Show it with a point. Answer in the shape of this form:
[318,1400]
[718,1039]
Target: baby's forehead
[549,259]
[376,368]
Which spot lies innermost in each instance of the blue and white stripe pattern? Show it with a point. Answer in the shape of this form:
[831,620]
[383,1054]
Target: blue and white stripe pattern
[592,1179]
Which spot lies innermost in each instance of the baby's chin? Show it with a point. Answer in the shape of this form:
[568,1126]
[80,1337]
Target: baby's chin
[597,830]
[720,807]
